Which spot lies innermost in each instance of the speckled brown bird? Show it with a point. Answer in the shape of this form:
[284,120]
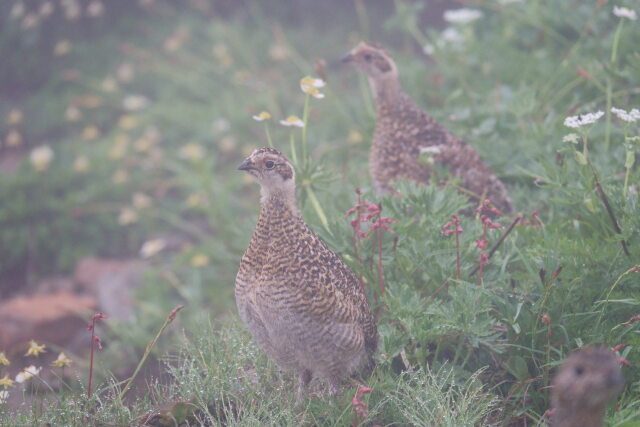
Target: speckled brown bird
[303,305]
[583,386]
[403,132]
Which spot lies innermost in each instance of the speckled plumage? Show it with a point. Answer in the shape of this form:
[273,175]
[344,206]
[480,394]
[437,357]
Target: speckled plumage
[583,387]
[403,131]
[303,305]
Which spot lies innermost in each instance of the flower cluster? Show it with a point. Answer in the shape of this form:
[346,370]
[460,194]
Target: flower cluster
[625,12]
[311,86]
[626,116]
[462,16]
[583,119]
[359,407]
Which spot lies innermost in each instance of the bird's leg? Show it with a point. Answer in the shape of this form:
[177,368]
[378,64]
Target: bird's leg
[334,386]
[304,378]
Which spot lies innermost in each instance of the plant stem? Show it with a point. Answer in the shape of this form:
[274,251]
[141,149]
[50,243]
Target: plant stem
[614,54]
[292,143]
[148,349]
[380,269]
[500,240]
[266,130]
[305,119]
[318,208]
[612,215]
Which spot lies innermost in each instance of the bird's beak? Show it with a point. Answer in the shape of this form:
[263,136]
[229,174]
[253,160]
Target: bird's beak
[246,165]
[347,58]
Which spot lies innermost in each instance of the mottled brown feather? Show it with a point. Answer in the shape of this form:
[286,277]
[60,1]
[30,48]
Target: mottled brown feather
[303,305]
[403,130]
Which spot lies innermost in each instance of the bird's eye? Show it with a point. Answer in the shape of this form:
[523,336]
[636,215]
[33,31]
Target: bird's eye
[579,370]
[368,57]
[269,164]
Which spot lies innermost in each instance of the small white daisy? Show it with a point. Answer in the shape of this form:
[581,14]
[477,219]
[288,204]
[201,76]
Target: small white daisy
[625,12]
[292,121]
[462,16]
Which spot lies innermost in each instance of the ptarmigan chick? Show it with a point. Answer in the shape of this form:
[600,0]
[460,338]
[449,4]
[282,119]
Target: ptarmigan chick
[583,386]
[303,305]
[404,132]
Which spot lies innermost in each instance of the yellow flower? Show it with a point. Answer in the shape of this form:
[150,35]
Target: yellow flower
[6,382]
[62,48]
[127,216]
[81,164]
[90,133]
[41,157]
[28,373]
[143,144]
[35,349]
[62,361]
[199,260]
[72,113]
[120,177]
[13,138]
[354,137]
[3,359]
[227,144]
[195,199]
[152,247]
[192,151]
[141,200]
[14,117]
[292,121]
[310,85]
[262,116]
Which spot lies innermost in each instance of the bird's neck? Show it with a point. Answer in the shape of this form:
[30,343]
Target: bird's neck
[386,91]
[279,202]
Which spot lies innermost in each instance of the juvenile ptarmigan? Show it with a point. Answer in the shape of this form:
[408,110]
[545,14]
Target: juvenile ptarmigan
[583,386]
[303,305]
[404,131]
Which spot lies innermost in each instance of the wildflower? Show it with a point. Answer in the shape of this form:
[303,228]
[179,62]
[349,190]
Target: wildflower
[81,164]
[3,359]
[152,247]
[625,116]
[14,138]
[452,36]
[462,16]
[30,21]
[127,216]
[14,117]
[359,406]
[90,133]
[292,121]
[95,9]
[141,200]
[311,86]
[546,319]
[35,349]
[354,137]
[199,260]
[582,119]
[261,117]
[120,177]
[28,373]
[109,84]
[125,72]
[6,382]
[46,9]
[227,144]
[624,12]
[574,138]
[3,396]
[195,199]
[192,151]
[624,362]
[62,361]
[41,157]
[72,113]
[63,47]
[127,122]
[135,103]
[17,11]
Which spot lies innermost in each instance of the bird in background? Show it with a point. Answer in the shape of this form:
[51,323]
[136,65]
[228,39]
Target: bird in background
[302,304]
[404,133]
[583,386]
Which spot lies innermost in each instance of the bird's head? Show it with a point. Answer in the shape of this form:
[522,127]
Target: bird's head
[588,379]
[372,60]
[272,170]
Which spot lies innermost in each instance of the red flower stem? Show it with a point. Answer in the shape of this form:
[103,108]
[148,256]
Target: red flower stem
[495,247]
[93,332]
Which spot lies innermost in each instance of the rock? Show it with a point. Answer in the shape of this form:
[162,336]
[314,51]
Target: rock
[54,318]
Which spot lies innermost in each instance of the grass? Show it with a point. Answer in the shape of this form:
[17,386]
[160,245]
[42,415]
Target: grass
[157,102]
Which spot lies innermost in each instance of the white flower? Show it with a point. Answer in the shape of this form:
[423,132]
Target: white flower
[462,16]
[582,119]
[135,103]
[430,150]
[46,9]
[428,49]
[292,121]
[624,12]
[152,247]
[451,35]
[310,85]
[41,157]
[81,164]
[95,8]
[573,138]
[4,394]
[17,11]
[625,116]
[261,117]
[28,373]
